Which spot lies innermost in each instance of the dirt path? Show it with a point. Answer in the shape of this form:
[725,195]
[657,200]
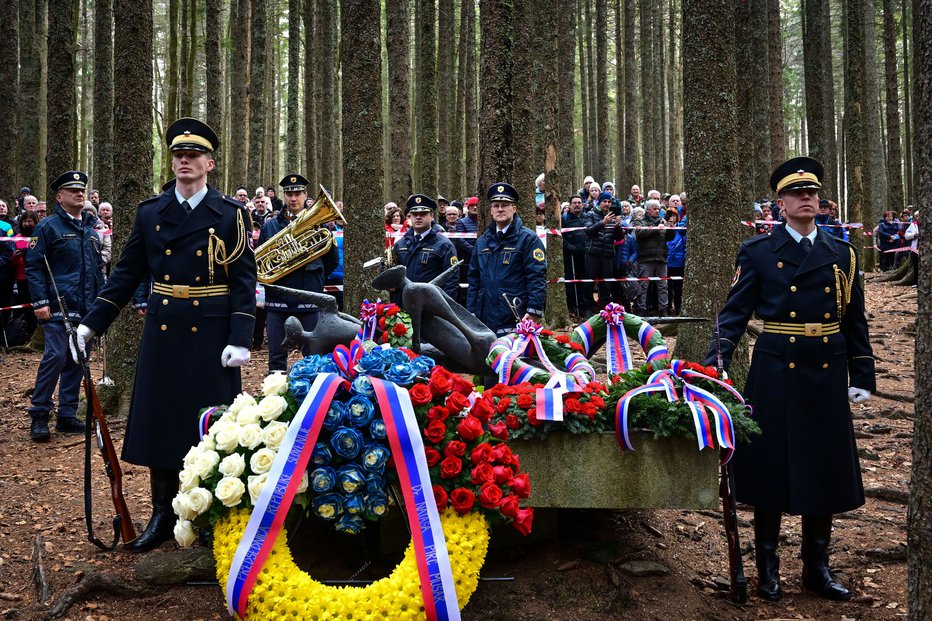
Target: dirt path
[575,575]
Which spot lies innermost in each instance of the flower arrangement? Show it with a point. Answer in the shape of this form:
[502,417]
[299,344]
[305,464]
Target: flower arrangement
[516,408]
[394,325]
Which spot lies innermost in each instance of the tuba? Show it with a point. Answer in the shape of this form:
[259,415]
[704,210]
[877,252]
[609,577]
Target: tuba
[299,243]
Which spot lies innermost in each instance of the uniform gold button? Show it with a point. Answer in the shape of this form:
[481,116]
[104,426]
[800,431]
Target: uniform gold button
[196,303]
[197,279]
[194,329]
[157,227]
[165,302]
[198,253]
[168,252]
[167,277]
[792,365]
[792,339]
[825,339]
[780,264]
[792,313]
[828,290]
[793,288]
[211,231]
[827,315]
[824,365]
[164,327]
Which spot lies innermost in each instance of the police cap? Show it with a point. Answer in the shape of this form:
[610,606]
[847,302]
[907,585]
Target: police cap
[294,183]
[420,202]
[502,191]
[191,135]
[799,173]
[71,179]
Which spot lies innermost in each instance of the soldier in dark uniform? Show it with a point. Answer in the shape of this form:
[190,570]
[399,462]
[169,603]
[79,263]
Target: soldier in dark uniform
[422,250]
[508,262]
[812,357]
[309,277]
[192,241]
[67,240]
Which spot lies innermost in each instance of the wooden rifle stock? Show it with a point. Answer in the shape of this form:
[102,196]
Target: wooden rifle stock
[739,582]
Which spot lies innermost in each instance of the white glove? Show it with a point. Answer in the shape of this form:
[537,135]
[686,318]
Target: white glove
[858,395]
[234,356]
[83,335]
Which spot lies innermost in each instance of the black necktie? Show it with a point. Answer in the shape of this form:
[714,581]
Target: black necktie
[499,236]
[806,244]
[186,206]
[417,239]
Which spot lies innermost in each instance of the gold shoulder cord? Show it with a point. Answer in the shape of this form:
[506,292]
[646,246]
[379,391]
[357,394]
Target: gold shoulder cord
[844,283]
[216,248]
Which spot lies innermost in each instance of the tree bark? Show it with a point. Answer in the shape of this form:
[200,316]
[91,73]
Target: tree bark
[426,93]
[62,101]
[711,166]
[832,129]
[601,61]
[214,91]
[239,96]
[132,61]
[311,90]
[593,138]
[257,26]
[584,69]
[659,98]
[29,87]
[857,153]
[775,52]
[908,172]
[646,94]
[292,156]
[9,106]
[103,99]
[891,81]
[471,103]
[526,113]
[170,113]
[458,139]
[397,44]
[760,104]
[745,102]
[82,120]
[676,98]
[919,517]
[327,62]
[632,152]
[875,186]
[361,57]
[815,86]
[619,95]
[446,94]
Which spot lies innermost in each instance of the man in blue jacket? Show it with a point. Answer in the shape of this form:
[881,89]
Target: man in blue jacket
[68,242]
[425,253]
[508,271]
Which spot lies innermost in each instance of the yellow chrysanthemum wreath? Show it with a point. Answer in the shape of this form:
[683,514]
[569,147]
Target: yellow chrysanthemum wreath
[285,591]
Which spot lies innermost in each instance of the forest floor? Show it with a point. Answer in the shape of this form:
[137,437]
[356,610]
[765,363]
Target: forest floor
[573,573]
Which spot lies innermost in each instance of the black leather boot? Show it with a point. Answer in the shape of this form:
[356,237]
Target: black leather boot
[817,577]
[766,539]
[162,525]
[39,429]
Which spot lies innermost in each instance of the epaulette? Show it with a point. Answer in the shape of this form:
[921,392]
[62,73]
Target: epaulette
[756,239]
[232,202]
[151,199]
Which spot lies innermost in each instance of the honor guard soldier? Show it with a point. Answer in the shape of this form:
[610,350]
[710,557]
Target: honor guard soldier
[812,357]
[310,277]
[423,250]
[508,269]
[191,240]
[66,243]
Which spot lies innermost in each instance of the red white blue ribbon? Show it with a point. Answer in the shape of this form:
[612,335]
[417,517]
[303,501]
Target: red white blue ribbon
[701,403]
[528,335]
[346,358]
[277,494]
[586,336]
[430,548]
[368,312]
[645,334]
[549,399]
[203,423]
[617,353]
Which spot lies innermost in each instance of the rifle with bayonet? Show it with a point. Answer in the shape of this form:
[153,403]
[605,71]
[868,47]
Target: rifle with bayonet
[96,421]
[739,582]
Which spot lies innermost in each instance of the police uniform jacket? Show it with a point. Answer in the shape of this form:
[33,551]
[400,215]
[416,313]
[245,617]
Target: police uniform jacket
[428,258]
[806,461]
[514,265]
[74,254]
[179,371]
[309,277]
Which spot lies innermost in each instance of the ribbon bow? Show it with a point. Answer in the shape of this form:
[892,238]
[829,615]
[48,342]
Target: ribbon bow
[369,313]
[617,353]
[701,403]
[346,358]
[613,314]
[526,327]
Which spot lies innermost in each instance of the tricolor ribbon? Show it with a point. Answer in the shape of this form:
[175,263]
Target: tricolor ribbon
[549,399]
[368,312]
[586,336]
[617,353]
[346,358]
[645,334]
[528,335]
[279,491]
[701,403]
[430,548]
[203,423]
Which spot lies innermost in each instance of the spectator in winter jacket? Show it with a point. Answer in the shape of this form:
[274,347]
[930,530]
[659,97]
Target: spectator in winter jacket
[652,254]
[604,228]
[575,244]
[888,238]
[676,261]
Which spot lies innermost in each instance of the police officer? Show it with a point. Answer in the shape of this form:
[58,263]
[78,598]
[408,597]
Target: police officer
[68,241]
[422,250]
[310,277]
[811,359]
[191,240]
[508,270]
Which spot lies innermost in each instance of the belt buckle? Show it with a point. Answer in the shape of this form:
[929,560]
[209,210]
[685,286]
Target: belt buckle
[812,329]
[180,291]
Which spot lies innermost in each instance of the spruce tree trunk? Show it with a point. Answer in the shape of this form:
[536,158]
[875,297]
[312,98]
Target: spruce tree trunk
[919,520]
[187,104]
[132,61]
[446,95]
[601,62]
[745,102]
[214,91]
[676,98]
[619,97]
[891,81]
[311,86]
[62,101]
[760,103]
[659,97]
[584,68]
[632,152]
[82,119]
[526,113]
[170,113]
[908,184]
[833,130]
[238,147]
[257,110]
[426,89]
[361,57]
[103,99]
[815,86]
[327,61]
[184,95]
[471,103]
[30,77]
[42,35]
[775,52]
[292,156]
[397,44]
[857,155]
[711,167]
[458,140]
[593,137]
[9,106]
[875,178]
[646,92]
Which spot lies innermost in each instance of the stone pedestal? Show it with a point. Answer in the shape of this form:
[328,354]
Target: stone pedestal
[591,471]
